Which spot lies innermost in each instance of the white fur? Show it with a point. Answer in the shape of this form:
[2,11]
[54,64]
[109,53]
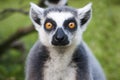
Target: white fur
[44,37]
[58,67]
[60,3]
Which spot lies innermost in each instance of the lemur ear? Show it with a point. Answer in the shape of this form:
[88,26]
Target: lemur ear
[85,15]
[36,14]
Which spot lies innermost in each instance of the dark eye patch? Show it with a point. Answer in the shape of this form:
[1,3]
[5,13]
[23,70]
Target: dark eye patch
[49,20]
[66,24]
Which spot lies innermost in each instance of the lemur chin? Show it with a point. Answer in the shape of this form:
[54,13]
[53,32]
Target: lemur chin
[60,53]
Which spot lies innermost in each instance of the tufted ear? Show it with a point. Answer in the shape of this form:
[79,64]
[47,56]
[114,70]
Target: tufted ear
[36,14]
[85,15]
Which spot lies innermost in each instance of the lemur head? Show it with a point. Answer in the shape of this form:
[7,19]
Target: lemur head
[60,26]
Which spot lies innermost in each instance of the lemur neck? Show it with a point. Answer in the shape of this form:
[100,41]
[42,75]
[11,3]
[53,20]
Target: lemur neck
[62,55]
[60,66]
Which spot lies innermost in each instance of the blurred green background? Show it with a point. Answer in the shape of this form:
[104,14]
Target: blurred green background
[102,36]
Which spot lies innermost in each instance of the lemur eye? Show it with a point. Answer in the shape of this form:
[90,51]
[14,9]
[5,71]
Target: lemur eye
[48,25]
[71,25]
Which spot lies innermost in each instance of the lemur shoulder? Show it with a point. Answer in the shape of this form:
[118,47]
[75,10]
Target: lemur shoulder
[60,53]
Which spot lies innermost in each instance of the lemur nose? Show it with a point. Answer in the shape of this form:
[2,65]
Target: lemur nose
[60,38]
[60,35]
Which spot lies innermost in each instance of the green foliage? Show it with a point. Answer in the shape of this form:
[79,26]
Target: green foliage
[102,36]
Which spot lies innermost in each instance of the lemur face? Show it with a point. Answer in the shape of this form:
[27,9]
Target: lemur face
[60,26]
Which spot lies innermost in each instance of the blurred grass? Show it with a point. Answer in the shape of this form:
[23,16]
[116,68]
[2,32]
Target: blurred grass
[102,36]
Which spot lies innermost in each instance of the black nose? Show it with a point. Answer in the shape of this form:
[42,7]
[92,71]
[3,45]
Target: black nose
[60,38]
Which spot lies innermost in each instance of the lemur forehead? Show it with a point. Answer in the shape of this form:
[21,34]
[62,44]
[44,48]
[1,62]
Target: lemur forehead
[61,9]
[58,16]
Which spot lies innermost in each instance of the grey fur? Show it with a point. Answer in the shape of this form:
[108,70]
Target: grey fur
[35,61]
[94,66]
[61,9]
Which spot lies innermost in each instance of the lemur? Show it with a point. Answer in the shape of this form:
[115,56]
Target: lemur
[60,53]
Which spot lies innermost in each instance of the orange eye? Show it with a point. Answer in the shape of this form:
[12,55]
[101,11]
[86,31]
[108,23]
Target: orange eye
[48,25]
[71,25]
